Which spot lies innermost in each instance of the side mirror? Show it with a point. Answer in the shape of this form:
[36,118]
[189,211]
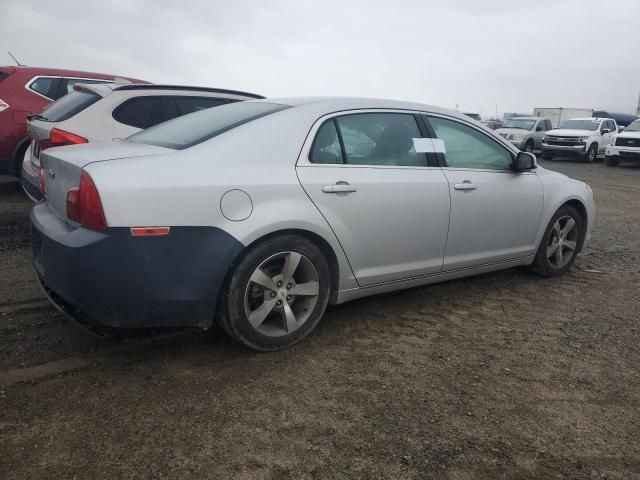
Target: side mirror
[605,130]
[524,162]
[539,128]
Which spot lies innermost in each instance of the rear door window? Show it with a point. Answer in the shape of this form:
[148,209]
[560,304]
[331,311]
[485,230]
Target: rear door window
[380,139]
[68,106]
[45,86]
[141,112]
[326,146]
[195,104]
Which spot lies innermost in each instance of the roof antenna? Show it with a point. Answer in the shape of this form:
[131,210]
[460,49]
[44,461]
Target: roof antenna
[15,59]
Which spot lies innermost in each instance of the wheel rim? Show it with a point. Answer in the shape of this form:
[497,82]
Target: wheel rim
[592,154]
[281,294]
[528,148]
[563,241]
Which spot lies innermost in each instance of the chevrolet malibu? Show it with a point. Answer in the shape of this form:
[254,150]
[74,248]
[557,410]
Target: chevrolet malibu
[259,214]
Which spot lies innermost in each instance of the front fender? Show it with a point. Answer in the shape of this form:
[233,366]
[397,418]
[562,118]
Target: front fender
[560,191]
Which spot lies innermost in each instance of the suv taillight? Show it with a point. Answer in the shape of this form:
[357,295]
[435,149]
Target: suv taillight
[84,205]
[3,105]
[59,138]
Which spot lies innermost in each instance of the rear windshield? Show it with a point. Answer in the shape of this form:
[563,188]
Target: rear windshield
[3,75]
[68,106]
[194,128]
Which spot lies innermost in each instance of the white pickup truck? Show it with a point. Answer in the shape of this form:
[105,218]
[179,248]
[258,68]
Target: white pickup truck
[626,146]
[582,137]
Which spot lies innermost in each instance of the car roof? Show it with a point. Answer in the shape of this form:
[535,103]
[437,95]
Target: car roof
[528,118]
[104,89]
[27,70]
[336,104]
[133,86]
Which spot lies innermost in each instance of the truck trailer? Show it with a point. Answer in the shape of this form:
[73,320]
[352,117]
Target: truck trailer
[559,115]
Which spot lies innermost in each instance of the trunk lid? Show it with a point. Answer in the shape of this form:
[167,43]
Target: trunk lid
[38,130]
[63,165]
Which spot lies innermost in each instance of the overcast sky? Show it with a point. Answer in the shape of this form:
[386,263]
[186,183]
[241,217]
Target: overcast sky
[474,53]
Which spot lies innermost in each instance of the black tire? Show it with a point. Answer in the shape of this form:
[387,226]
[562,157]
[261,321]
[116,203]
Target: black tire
[547,155]
[611,161]
[232,316]
[542,265]
[591,154]
[528,147]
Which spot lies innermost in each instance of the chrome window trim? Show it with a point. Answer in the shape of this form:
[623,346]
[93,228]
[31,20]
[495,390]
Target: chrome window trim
[27,85]
[303,158]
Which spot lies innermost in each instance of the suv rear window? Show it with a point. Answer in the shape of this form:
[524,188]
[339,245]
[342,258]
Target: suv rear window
[141,112]
[194,128]
[68,106]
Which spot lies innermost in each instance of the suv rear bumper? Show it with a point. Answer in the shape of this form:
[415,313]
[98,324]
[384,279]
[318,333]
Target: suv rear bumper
[30,181]
[112,280]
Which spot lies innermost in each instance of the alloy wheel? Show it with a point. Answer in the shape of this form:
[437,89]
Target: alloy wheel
[563,241]
[281,294]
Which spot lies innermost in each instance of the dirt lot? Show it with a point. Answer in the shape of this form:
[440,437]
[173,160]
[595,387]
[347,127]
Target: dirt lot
[501,376]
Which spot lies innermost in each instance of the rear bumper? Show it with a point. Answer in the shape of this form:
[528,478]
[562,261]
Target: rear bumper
[113,280]
[30,181]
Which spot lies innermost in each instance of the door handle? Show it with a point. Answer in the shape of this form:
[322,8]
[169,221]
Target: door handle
[466,185]
[339,187]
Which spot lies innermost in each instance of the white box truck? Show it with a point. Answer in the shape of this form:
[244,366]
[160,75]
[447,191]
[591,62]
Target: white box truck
[560,115]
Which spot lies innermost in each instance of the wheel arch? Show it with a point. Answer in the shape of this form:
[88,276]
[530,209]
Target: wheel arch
[18,155]
[582,210]
[320,242]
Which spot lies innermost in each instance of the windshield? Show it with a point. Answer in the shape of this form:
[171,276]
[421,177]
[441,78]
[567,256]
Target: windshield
[194,128]
[633,127]
[581,125]
[68,106]
[519,123]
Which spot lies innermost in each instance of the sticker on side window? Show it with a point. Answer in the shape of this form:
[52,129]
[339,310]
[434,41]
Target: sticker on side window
[429,145]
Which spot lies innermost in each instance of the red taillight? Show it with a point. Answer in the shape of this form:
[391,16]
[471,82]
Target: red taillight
[59,138]
[84,205]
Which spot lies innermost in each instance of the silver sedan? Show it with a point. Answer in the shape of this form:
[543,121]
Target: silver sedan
[259,214]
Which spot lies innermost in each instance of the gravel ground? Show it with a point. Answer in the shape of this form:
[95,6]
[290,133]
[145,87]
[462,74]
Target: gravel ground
[506,375]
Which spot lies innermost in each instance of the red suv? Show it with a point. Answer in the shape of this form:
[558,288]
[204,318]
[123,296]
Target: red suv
[27,90]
